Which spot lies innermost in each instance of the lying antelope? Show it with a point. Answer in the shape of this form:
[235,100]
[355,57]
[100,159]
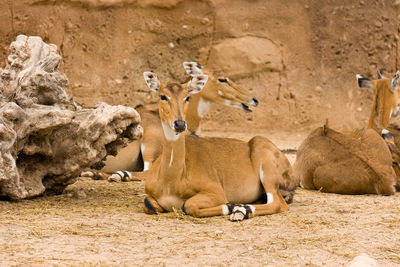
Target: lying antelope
[220,90]
[354,162]
[333,162]
[211,176]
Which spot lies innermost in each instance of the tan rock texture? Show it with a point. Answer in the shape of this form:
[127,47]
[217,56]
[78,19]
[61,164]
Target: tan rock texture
[46,138]
[299,57]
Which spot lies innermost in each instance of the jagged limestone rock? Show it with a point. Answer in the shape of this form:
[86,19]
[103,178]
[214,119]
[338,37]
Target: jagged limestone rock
[46,139]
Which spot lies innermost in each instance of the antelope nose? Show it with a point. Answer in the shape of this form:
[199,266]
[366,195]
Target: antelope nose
[255,102]
[180,126]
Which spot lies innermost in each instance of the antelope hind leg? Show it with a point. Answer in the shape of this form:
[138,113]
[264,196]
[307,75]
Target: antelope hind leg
[95,175]
[206,205]
[126,176]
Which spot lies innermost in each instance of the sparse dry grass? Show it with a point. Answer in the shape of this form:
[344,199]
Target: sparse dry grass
[108,228]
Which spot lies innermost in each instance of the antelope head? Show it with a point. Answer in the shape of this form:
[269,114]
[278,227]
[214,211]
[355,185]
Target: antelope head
[386,98]
[173,101]
[222,90]
[392,84]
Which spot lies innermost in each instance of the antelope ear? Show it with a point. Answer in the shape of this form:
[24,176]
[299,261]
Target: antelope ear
[197,83]
[364,81]
[192,68]
[152,80]
[395,82]
[379,74]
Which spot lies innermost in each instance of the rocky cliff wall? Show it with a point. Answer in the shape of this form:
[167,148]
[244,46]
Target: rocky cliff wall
[299,57]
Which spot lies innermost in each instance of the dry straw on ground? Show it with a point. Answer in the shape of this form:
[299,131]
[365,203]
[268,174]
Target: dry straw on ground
[108,228]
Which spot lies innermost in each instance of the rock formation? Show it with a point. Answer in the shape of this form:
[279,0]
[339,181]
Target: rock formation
[47,139]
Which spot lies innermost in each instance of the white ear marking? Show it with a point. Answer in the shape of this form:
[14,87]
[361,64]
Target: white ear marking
[363,81]
[152,80]
[197,83]
[192,68]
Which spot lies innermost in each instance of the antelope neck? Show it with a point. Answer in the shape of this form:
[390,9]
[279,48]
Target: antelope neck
[173,157]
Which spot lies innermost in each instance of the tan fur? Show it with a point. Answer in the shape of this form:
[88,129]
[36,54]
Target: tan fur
[353,162]
[384,103]
[204,174]
[129,157]
[338,163]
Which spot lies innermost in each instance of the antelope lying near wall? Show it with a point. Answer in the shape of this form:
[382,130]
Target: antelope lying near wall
[211,176]
[220,90]
[354,162]
[334,162]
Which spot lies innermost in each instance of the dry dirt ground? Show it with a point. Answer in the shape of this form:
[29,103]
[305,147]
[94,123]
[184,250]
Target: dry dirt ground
[96,223]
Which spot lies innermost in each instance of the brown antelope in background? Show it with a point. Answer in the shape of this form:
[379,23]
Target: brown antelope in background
[138,156]
[333,162]
[211,176]
[356,162]
[385,101]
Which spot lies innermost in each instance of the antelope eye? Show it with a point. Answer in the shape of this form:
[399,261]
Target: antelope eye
[163,97]
[222,80]
[187,99]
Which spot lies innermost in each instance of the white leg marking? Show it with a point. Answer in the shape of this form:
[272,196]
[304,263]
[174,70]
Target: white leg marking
[146,166]
[261,173]
[220,92]
[253,209]
[238,213]
[270,198]
[169,133]
[116,177]
[227,102]
[203,107]
[172,158]
[225,210]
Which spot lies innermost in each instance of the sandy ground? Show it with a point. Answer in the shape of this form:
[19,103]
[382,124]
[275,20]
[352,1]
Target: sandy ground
[96,223]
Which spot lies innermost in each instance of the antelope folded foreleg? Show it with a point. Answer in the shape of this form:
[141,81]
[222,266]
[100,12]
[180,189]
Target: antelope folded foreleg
[206,205]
